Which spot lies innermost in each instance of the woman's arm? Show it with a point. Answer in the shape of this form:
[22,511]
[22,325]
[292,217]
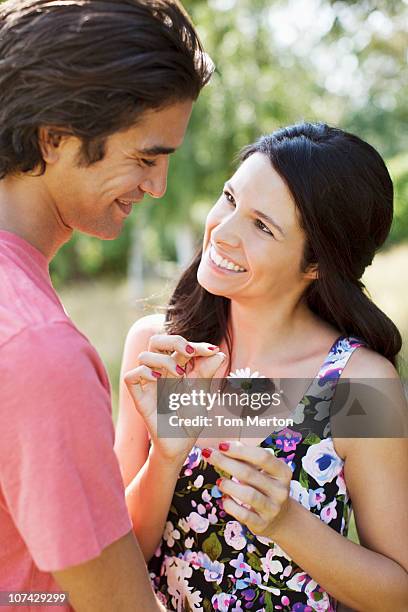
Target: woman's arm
[148,498]
[131,437]
[150,464]
[149,480]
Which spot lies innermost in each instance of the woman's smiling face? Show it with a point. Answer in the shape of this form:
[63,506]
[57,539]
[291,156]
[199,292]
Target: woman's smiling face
[253,242]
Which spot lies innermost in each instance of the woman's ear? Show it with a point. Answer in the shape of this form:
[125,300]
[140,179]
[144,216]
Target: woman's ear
[49,140]
[312,272]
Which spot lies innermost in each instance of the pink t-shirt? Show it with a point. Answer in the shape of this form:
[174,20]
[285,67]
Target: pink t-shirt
[61,493]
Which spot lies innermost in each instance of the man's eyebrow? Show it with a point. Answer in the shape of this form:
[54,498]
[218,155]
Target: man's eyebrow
[258,213]
[155,150]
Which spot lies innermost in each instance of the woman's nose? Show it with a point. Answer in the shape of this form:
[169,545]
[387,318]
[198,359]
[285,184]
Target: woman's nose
[227,232]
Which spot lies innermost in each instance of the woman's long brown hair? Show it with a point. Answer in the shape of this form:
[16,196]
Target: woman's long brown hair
[344,195]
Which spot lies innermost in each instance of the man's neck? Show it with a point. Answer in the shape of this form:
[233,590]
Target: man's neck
[26,210]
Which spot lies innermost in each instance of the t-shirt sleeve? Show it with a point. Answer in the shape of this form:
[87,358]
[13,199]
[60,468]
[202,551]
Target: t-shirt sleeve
[58,471]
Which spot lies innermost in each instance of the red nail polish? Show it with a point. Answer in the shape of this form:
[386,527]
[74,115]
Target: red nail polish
[223,446]
[156,374]
[218,482]
[189,349]
[206,452]
[180,370]
[212,348]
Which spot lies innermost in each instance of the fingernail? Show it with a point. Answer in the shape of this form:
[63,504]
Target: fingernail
[156,374]
[223,446]
[213,348]
[189,349]
[180,370]
[206,452]
[218,482]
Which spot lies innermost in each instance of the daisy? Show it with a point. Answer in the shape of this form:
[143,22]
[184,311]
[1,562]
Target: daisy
[245,373]
[241,378]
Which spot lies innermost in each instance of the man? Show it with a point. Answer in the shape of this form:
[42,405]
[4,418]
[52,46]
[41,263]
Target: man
[94,96]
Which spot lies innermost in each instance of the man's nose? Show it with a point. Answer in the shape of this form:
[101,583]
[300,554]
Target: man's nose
[155,183]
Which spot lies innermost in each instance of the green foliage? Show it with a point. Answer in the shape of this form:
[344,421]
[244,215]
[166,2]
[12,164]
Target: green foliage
[85,257]
[398,168]
[343,62]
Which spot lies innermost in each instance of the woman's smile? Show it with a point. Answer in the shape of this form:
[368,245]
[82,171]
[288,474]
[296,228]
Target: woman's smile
[223,264]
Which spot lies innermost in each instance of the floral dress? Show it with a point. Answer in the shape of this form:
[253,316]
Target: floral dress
[209,561]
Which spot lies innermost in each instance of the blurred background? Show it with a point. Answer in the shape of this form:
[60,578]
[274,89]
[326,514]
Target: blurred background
[342,62]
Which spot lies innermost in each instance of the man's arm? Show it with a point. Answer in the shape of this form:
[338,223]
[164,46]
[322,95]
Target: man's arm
[58,469]
[117,581]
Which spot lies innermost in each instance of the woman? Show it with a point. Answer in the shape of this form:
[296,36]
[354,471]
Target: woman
[276,289]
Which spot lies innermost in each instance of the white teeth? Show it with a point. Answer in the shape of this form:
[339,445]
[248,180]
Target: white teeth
[224,263]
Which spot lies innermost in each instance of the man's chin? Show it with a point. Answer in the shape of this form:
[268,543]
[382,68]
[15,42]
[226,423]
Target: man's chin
[103,233]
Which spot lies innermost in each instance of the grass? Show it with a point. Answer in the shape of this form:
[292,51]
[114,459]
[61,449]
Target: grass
[104,311]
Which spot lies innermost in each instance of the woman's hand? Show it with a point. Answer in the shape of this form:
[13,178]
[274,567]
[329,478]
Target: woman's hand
[263,487]
[169,356]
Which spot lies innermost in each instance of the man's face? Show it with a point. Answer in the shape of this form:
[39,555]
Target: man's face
[97,199]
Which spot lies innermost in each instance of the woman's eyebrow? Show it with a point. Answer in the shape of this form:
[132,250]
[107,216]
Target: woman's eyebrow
[268,219]
[256,212]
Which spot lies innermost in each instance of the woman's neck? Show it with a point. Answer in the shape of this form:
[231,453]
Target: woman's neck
[272,335]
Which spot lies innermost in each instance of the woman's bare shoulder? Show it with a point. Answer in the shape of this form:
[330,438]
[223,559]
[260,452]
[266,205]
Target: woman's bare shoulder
[366,363]
[144,328]
[377,385]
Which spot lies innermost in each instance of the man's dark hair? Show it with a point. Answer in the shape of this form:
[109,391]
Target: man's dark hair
[90,68]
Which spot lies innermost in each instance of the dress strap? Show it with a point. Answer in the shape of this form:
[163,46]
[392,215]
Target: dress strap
[338,357]
[312,414]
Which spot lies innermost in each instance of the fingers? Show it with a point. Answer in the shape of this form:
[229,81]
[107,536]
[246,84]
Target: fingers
[208,367]
[261,458]
[136,380]
[164,363]
[244,515]
[140,375]
[172,343]
[244,472]
[246,494]
[263,488]
[172,353]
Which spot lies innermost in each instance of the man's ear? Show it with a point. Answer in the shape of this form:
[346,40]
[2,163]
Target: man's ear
[312,272]
[49,140]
